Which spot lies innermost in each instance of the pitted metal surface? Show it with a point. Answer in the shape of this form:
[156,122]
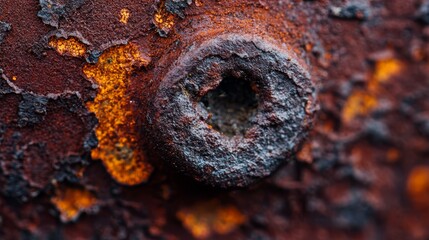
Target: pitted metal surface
[286,101]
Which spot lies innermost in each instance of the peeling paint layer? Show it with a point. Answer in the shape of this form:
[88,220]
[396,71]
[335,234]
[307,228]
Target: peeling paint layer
[53,10]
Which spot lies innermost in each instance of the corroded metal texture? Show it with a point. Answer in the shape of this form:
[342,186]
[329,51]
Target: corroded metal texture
[88,138]
[223,139]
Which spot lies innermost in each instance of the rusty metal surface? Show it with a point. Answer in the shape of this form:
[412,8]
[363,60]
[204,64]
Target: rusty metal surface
[80,160]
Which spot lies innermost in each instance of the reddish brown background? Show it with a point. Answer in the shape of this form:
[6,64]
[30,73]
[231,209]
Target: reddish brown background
[351,180]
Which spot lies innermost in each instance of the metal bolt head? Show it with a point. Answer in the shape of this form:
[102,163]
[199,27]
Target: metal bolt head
[230,110]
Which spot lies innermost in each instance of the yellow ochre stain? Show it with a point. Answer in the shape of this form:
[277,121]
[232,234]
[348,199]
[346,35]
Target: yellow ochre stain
[118,146]
[207,218]
[71,202]
[68,46]
[124,15]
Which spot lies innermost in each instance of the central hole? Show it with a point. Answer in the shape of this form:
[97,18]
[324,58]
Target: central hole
[231,105]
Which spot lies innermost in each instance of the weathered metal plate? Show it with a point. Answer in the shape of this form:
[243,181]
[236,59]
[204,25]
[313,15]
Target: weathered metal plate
[76,162]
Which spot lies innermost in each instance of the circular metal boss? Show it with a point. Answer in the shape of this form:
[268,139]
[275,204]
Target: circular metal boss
[232,109]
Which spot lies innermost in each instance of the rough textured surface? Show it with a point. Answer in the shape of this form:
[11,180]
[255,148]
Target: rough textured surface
[179,121]
[53,10]
[362,172]
[4,29]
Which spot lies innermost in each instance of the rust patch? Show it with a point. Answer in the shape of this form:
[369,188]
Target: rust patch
[385,69]
[124,15]
[71,202]
[118,147]
[418,186]
[68,46]
[362,102]
[208,218]
[198,3]
[163,20]
[305,154]
[392,155]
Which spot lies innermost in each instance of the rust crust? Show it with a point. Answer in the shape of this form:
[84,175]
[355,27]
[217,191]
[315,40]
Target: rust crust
[101,101]
[214,148]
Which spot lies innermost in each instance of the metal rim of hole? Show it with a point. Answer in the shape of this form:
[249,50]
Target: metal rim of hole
[284,112]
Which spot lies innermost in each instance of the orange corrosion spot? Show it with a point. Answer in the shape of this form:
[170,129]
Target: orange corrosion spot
[71,202]
[204,219]
[392,155]
[360,103]
[305,154]
[68,46]
[309,47]
[163,19]
[198,3]
[124,15]
[384,70]
[418,186]
[118,147]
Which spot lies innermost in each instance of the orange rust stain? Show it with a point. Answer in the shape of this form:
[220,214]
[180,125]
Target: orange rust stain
[163,19]
[309,47]
[305,154]
[359,103]
[362,102]
[392,155]
[384,70]
[118,146]
[68,46]
[124,15]
[71,202]
[205,219]
[418,186]
[198,3]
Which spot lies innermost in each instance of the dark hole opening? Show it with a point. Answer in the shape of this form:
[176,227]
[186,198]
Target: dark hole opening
[231,105]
